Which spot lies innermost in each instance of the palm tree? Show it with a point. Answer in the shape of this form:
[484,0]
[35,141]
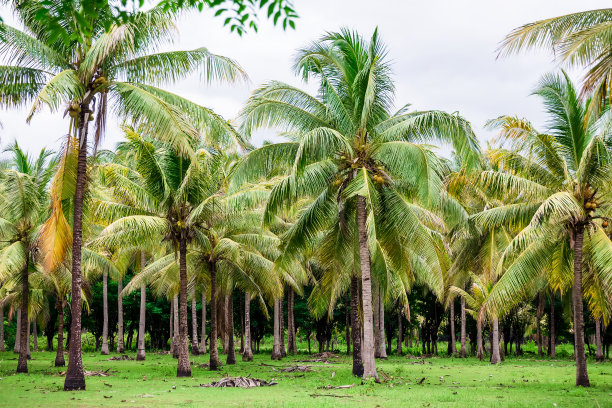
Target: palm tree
[561,180]
[100,69]
[579,39]
[351,156]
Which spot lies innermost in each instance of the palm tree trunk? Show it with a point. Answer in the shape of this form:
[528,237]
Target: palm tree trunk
[276,351]
[462,350]
[479,345]
[539,312]
[214,352]
[223,312]
[453,339]
[495,356]
[104,349]
[75,376]
[376,319]
[2,346]
[231,347]
[59,356]
[281,326]
[553,336]
[175,319]
[203,334]
[172,326]
[35,335]
[347,321]
[400,333]
[17,347]
[369,364]
[582,377]
[247,355]
[120,343]
[292,346]
[599,350]
[381,326]
[24,338]
[195,350]
[184,368]
[141,353]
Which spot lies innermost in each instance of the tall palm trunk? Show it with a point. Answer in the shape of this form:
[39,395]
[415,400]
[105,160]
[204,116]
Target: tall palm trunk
[141,353]
[175,319]
[582,377]
[172,326]
[17,347]
[104,349]
[452,329]
[75,376]
[35,335]
[247,355]
[291,343]
[369,364]
[203,333]
[381,326]
[539,312]
[462,350]
[184,368]
[195,350]
[22,364]
[231,347]
[479,345]
[347,324]
[214,352]
[223,330]
[276,351]
[120,343]
[495,356]
[599,351]
[59,356]
[553,337]
[281,326]
[400,333]
[2,346]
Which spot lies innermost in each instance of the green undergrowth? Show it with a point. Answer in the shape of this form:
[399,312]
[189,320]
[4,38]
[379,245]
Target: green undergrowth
[414,382]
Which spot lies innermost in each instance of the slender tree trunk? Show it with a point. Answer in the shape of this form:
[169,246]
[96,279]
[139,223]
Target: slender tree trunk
[175,319]
[347,323]
[355,328]
[582,377]
[17,347]
[281,325]
[452,329]
[24,342]
[35,335]
[553,337]
[195,350]
[184,368]
[276,350]
[479,345]
[369,364]
[141,353]
[231,347]
[462,350]
[241,313]
[539,312]
[599,349]
[292,346]
[247,355]
[75,376]
[120,343]
[59,356]
[495,356]
[223,330]
[104,349]
[203,336]
[400,333]
[376,321]
[214,352]
[172,326]
[381,326]
[2,346]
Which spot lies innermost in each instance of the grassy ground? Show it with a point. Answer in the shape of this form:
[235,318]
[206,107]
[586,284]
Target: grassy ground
[447,382]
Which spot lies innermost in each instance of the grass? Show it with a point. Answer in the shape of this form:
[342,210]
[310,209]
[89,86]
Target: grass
[449,382]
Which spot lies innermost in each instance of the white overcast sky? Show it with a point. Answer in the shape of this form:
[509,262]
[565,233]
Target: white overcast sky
[443,54]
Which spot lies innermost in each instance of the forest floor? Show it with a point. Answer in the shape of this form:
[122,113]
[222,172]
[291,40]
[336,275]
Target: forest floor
[408,382]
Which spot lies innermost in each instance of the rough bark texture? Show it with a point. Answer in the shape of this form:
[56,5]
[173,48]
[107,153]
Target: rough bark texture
[120,343]
[291,343]
[376,321]
[214,353]
[553,337]
[59,356]
[582,377]
[369,364]
[599,356]
[452,329]
[539,312]
[495,356]
[141,353]
[184,368]
[2,346]
[171,326]
[347,324]
[223,329]
[175,320]
[400,333]
[479,345]
[231,347]
[276,351]
[17,337]
[462,350]
[104,349]
[203,328]
[247,355]
[75,376]
[281,326]
[24,338]
[195,349]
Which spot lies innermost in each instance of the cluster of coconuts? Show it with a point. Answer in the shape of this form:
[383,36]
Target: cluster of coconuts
[100,81]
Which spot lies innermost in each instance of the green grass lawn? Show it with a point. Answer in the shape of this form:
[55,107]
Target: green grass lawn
[448,382]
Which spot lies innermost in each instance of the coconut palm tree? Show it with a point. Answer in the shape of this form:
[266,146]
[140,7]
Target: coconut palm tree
[579,39]
[107,67]
[561,181]
[352,156]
